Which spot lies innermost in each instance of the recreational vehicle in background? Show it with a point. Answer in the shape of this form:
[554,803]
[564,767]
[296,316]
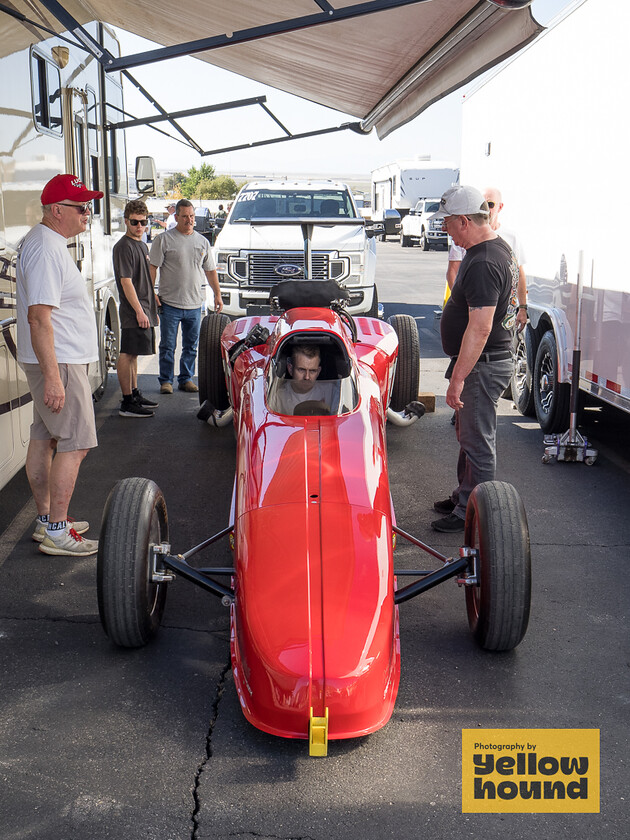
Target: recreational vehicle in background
[54,103]
[548,131]
[401,184]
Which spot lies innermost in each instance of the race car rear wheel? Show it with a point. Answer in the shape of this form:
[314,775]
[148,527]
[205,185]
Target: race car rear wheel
[407,377]
[498,604]
[212,385]
[129,603]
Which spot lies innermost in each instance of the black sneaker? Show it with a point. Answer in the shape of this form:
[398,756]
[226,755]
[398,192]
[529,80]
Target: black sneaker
[134,409]
[445,507]
[140,399]
[451,524]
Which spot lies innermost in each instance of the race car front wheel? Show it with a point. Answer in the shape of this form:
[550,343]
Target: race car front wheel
[212,385]
[129,603]
[498,603]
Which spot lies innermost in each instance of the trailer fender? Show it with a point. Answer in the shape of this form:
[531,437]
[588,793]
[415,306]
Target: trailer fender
[544,319]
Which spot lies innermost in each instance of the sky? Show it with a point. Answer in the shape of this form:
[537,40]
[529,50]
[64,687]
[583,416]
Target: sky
[187,83]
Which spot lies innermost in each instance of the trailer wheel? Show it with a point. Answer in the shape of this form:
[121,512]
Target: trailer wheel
[551,397]
[129,604]
[407,377]
[498,604]
[212,385]
[522,390]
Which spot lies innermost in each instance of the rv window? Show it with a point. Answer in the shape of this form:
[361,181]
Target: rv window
[46,88]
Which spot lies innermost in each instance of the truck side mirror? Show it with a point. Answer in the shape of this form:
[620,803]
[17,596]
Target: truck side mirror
[146,176]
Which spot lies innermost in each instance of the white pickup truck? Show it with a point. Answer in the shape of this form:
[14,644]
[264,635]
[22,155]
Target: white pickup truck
[417,226]
[263,241]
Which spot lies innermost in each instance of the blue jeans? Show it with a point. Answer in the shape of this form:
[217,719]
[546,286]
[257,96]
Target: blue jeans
[170,319]
[476,428]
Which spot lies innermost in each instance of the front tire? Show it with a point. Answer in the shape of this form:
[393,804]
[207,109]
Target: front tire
[521,384]
[424,242]
[405,241]
[212,385]
[407,376]
[551,397]
[373,310]
[498,605]
[129,603]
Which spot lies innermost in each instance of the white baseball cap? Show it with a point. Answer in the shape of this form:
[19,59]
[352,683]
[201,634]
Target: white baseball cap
[461,201]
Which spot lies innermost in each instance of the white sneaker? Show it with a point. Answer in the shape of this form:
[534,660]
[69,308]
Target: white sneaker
[80,526]
[70,544]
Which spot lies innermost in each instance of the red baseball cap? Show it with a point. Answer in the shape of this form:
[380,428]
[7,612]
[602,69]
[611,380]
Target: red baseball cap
[69,187]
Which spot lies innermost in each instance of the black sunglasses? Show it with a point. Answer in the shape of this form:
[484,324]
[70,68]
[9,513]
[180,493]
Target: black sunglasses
[82,208]
[134,222]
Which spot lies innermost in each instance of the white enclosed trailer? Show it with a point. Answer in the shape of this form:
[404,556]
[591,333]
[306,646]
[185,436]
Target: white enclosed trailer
[549,130]
[401,184]
[55,104]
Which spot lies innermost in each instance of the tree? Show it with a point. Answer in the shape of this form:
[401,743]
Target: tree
[173,181]
[190,186]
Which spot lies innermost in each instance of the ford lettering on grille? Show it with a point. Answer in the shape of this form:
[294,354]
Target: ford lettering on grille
[288,270]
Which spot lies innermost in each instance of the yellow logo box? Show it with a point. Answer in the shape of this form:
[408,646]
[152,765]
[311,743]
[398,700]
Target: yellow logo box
[530,771]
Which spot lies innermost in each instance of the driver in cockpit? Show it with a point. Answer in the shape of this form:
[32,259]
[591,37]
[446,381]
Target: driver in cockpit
[304,366]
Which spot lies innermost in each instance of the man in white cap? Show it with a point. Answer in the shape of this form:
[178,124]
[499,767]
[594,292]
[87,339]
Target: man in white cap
[171,220]
[57,340]
[476,327]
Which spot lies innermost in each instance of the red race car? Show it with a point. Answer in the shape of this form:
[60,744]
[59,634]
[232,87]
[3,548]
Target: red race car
[313,593]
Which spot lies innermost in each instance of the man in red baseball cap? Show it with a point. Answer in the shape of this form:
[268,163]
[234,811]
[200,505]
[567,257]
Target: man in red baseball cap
[57,340]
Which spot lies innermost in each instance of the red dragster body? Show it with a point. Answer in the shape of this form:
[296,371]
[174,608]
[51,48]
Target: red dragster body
[314,627]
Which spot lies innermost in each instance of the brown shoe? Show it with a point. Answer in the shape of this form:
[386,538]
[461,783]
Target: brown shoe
[166,388]
[188,386]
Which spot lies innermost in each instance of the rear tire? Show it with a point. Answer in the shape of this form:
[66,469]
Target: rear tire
[407,376]
[129,604]
[498,605]
[212,385]
[551,397]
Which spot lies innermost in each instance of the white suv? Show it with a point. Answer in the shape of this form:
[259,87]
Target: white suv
[264,241]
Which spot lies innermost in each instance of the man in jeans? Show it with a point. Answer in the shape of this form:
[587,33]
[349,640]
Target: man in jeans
[476,329]
[185,263]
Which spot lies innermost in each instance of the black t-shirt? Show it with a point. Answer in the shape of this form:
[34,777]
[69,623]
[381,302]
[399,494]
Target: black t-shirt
[131,259]
[488,276]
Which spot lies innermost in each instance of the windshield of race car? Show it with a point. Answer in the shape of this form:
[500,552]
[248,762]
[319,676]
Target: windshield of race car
[293,204]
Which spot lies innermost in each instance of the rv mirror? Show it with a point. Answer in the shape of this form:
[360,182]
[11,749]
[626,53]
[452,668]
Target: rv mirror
[146,176]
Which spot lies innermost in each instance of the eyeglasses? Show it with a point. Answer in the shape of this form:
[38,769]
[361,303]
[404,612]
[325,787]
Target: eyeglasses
[134,222]
[82,208]
[491,204]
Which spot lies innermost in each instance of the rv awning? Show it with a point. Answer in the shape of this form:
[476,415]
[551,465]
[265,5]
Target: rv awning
[382,61]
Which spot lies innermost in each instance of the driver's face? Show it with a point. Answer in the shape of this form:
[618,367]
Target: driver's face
[304,371]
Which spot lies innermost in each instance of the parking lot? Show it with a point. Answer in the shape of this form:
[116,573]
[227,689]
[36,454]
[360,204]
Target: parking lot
[101,743]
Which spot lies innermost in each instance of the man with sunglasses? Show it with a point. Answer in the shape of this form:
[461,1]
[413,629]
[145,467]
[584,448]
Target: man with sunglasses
[57,340]
[456,254]
[138,309]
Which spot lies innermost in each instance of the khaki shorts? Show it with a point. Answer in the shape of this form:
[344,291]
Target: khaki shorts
[74,427]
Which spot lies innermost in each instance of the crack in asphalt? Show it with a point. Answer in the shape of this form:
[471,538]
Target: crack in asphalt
[208,748]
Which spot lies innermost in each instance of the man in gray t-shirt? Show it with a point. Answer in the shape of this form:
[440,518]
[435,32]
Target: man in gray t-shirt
[185,263]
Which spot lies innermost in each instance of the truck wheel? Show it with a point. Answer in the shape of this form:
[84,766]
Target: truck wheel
[405,241]
[551,397]
[498,604]
[407,376]
[373,310]
[129,604]
[424,242]
[522,391]
[212,385]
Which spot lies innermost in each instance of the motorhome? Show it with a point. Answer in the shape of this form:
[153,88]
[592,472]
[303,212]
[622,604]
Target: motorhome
[547,131]
[55,101]
[401,184]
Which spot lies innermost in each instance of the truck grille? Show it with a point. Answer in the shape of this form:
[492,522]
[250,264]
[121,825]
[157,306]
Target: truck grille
[263,265]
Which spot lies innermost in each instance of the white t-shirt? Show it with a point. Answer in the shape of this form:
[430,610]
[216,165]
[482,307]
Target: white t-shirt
[46,274]
[287,398]
[171,222]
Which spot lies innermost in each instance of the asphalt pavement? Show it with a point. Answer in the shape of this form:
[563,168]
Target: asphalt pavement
[97,742]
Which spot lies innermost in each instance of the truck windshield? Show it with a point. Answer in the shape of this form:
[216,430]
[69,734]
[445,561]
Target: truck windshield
[292,204]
